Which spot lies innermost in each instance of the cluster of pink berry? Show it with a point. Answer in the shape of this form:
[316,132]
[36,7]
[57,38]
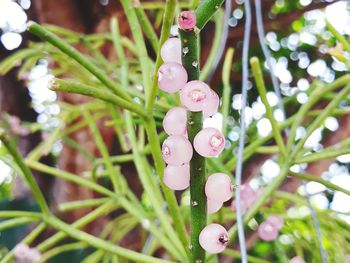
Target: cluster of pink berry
[195,96]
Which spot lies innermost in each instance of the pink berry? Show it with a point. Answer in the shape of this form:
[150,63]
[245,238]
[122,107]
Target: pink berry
[172,77]
[267,231]
[248,197]
[175,121]
[187,20]
[209,142]
[212,105]
[244,206]
[194,95]
[213,238]
[213,206]
[218,187]
[300,260]
[276,220]
[171,50]
[177,177]
[177,150]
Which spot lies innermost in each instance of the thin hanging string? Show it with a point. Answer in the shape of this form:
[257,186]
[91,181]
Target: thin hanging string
[316,225]
[246,40]
[228,8]
[275,84]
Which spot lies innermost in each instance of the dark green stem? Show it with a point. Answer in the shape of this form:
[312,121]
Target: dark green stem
[105,95]
[29,177]
[190,61]
[205,11]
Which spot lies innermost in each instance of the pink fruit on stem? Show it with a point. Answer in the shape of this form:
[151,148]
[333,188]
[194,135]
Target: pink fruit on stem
[267,231]
[177,150]
[187,20]
[212,105]
[209,142]
[213,238]
[213,206]
[175,121]
[219,187]
[248,197]
[276,220]
[177,177]
[172,77]
[194,95]
[171,50]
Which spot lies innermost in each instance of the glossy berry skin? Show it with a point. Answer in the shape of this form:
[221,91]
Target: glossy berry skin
[194,95]
[213,206]
[177,150]
[172,77]
[175,121]
[213,238]
[187,20]
[177,177]
[209,142]
[212,105]
[219,187]
[276,220]
[267,231]
[171,50]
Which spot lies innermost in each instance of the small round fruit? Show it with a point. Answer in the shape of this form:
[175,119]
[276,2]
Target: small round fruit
[300,260]
[171,50]
[213,206]
[172,77]
[187,20]
[209,142]
[194,95]
[267,231]
[219,187]
[177,150]
[177,177]
[175,121]
[213,238]
[212,105]
[276,220]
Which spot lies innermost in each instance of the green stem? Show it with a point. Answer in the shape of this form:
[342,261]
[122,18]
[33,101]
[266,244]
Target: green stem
[214,46]
[29,177]
[320,118]
[79,88]
[44,34]
[259,80]
[190,61]
[14,222]
[236,254]
[170,197]
[338,36]
[168,19]
[226,93]
[205,11]
[325,154]
[150,186]
[81,204]
[101,244]
[147,28]
[61,249]
[140,43]
[313,98]
[327,184]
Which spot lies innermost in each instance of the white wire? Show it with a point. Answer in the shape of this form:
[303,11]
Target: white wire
[246,40]
[275,84]
[228,8]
